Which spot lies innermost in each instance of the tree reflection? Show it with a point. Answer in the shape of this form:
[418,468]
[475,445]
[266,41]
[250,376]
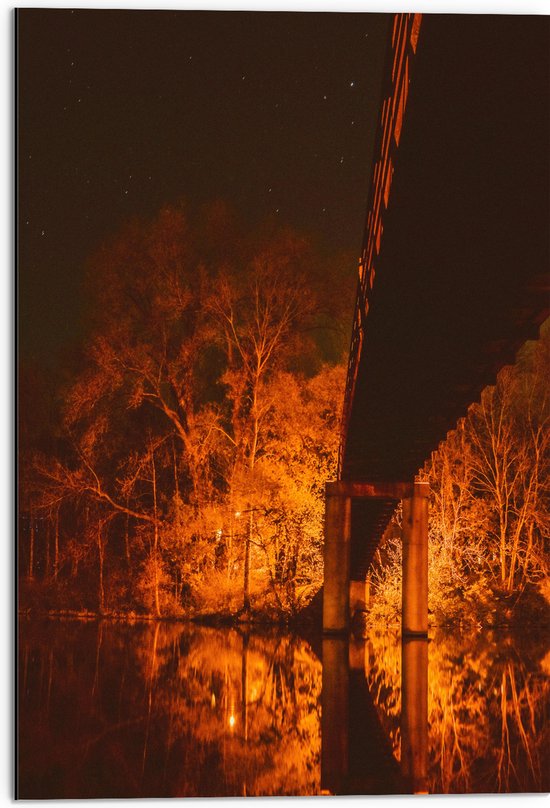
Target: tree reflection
[166,710]
[155,710]
[487,711]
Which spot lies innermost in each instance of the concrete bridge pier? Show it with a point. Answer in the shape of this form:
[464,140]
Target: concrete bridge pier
[414,592]
[336,562]
[358,596]
[342,593]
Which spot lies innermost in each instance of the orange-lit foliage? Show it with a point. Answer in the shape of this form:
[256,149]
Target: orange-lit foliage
[489,556]
[203,392]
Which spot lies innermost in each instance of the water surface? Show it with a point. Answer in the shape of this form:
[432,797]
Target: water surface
[114,709]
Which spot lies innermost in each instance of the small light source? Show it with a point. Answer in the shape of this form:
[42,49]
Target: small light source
[231,721]
[237,514]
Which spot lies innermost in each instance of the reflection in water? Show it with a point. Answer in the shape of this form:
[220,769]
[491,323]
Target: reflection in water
[335,715]
[488,710]
[414,714]
[358,754]
[489,716]
[119,710]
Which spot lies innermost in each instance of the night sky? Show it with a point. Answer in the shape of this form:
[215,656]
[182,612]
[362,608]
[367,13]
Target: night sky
[122,112]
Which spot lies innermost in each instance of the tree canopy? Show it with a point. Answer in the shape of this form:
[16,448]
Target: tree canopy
[200,426]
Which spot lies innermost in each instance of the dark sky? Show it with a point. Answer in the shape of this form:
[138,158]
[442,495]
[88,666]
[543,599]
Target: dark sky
[121,112]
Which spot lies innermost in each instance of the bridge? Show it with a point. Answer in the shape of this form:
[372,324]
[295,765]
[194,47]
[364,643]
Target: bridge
[453,275]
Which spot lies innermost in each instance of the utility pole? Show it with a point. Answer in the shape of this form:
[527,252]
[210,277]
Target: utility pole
[246,582]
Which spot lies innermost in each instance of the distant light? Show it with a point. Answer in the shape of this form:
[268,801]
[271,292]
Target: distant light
[352,84]
[231,721]
[237,514]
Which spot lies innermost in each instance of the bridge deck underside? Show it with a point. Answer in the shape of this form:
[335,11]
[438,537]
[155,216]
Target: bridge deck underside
[462,275]
[369,519]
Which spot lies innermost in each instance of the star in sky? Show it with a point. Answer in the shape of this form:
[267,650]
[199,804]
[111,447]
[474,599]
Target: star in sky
[118,124]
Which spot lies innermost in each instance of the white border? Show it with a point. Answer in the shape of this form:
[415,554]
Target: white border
[7,343]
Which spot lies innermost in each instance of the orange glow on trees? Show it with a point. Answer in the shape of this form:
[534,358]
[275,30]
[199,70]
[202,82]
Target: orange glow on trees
[489,520]
[200,373]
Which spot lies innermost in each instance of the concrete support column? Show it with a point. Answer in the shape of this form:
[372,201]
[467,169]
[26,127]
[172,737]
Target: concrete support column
[414,714]
[335,715]
[337,563]
[358,596]
[415,562]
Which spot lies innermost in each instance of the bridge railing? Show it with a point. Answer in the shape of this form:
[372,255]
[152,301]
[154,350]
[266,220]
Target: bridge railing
[395,90]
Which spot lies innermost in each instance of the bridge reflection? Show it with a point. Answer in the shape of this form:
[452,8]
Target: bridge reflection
[357,755]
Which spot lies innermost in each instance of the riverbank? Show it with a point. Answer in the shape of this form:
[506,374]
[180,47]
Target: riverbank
[506,613]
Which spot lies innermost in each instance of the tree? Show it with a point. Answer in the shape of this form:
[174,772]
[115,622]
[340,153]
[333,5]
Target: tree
[489,515]
[175,421]
[300,456]
[260,314]
[510,437]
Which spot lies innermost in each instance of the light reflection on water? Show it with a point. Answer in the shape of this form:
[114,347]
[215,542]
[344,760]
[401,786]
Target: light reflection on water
[155,710]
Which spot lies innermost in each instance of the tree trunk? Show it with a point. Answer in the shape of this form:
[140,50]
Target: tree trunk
[246,580]
[156,535]
[48,542]
[101,556]
[126,537]
[56,544]
[31,546]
